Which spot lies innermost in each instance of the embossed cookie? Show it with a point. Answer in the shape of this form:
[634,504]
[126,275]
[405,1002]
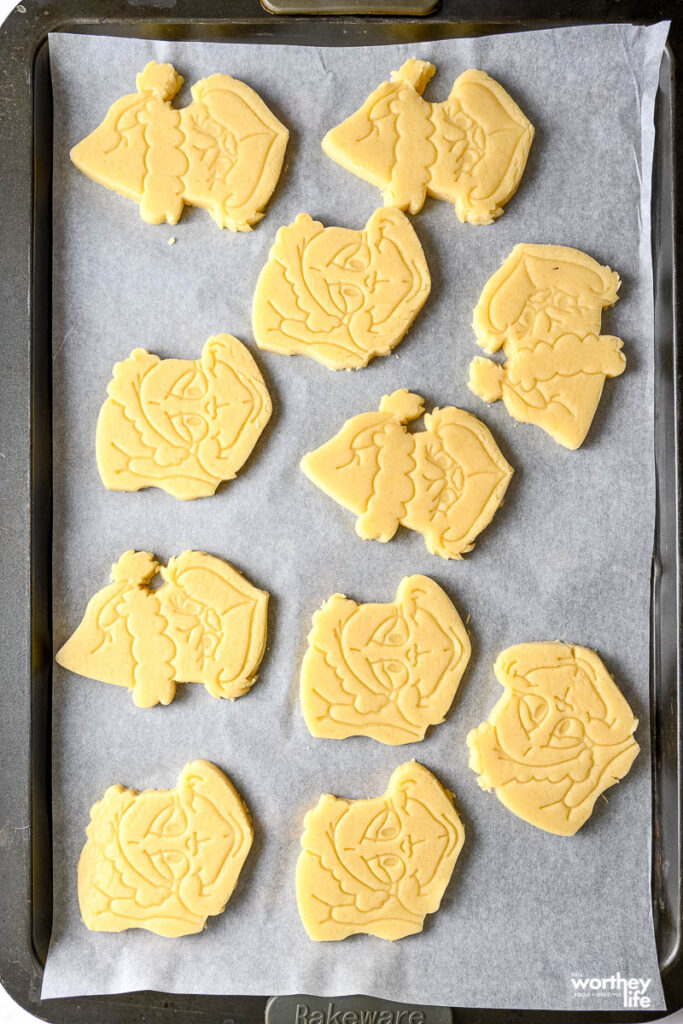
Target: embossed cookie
[544,308]
[445,481]
[164,859]
[223,152]
[206,624]
[381,865]
[388,671]
[183,425]
[470,150]
[341,297]
[560,735]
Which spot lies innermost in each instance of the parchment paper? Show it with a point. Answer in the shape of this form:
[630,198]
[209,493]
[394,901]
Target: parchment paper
[567,557]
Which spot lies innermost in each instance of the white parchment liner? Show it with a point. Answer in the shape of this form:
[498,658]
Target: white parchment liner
[567,557]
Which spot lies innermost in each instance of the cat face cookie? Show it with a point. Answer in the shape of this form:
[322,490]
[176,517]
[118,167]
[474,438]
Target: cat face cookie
[340,296]
[164,859]
[387,671]
[381,865]
[560,735]
[183,425]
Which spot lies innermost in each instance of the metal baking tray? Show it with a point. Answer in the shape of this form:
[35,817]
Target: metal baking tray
[26,458]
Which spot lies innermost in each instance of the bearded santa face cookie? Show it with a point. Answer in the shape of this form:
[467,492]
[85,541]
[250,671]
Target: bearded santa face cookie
[340,296]
[223,152]
[378,866]
[183,425]
[387,671]
[164,859]
[560,735]
[543,307]
[445,482]
[470,150]
[206,624]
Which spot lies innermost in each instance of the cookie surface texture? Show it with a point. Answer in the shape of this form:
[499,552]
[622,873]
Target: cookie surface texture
[381,865]
[183,425]
[543,307]
[223,152]
[164,859]
[470,150]
[206,624]
[445,482]
[560,735]
[340,296]
[387,671]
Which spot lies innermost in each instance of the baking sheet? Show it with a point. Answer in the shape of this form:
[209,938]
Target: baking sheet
[567,557]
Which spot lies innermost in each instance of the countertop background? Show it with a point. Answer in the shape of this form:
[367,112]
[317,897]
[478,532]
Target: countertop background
[10,1012]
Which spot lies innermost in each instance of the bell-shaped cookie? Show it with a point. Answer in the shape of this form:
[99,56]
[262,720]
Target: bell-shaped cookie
[446,481]
[470,149]
[223,152]
[206,624]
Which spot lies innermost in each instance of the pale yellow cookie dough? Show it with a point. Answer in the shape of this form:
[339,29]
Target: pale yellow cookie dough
[164,859]
[560,735]
[381,865]
[206,624]
[183,425]
[341,297]
[470,150]
[387,671]
[223,152]
[544,308]
[446,481]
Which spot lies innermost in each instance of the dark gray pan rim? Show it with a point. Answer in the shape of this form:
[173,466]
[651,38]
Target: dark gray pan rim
[25,465]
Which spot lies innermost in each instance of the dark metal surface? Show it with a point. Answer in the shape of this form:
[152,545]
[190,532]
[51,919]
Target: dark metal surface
[25,462]
[396,8]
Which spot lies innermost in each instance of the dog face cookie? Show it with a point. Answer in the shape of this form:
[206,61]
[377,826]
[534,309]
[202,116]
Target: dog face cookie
[560,735]
[544,308]
[182,425]
[469,150]
[387,671]
[207,624]
[223,152]
[164,859]
[381,865]
[341,297]
[445,482]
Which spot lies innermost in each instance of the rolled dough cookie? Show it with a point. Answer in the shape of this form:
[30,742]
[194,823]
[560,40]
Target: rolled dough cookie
[544,308]
[445,481]
[560,735]
[341,297]
[388,671]
[183,425]
[164,859]
[223,152]
[207,624]
[470,150]
[381,865]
